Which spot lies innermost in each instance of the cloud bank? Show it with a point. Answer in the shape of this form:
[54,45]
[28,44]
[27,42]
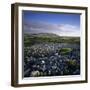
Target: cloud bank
[59,29]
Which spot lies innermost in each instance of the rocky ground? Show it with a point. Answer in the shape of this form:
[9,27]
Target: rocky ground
[51,59]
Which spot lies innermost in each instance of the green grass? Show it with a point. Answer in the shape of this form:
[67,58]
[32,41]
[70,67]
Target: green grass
[31,40]
[65,50]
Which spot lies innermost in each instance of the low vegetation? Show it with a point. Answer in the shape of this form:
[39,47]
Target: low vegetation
[51,55]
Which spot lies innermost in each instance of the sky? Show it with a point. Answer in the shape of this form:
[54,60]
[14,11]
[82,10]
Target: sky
[62,24]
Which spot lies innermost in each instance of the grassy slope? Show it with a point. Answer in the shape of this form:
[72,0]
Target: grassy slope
[48,38]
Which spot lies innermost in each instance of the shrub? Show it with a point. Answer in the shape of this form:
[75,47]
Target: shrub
[65,50]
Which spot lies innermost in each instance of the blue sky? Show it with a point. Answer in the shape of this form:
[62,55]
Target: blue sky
[62,24]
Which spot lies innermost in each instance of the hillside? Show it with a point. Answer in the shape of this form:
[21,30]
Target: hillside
[30,39]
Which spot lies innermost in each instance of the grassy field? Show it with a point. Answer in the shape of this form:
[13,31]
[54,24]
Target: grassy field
[48,38]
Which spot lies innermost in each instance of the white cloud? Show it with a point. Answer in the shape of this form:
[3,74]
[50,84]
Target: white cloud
[69,30]
[59,29]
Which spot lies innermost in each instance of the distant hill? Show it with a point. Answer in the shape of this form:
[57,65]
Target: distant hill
[47,35]
[50,35]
